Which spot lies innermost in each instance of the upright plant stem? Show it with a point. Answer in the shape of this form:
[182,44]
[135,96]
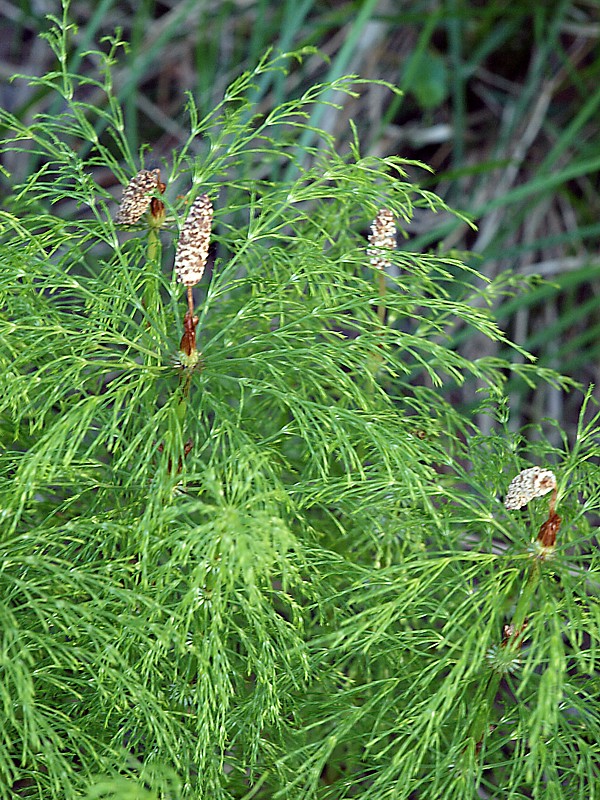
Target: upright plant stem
[382,290]
[151,294]
[513,642]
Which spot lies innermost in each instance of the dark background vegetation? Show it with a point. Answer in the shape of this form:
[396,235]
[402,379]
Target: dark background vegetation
[500,98]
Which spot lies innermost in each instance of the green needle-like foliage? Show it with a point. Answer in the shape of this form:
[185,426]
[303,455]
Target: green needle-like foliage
[282,569]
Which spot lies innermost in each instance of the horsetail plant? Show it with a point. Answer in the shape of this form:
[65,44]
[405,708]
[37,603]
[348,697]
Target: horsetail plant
[528,485]
[382,240]
[190,261]
[309,614]
[194,241]
[137,197]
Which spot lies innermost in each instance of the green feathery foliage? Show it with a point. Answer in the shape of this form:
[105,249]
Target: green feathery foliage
[282,571]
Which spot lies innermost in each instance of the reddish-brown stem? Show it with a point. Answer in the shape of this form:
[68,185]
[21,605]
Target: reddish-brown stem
[187,448]
[188,340]
[513,636]
[157,207]
[552,505]
[548,531]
